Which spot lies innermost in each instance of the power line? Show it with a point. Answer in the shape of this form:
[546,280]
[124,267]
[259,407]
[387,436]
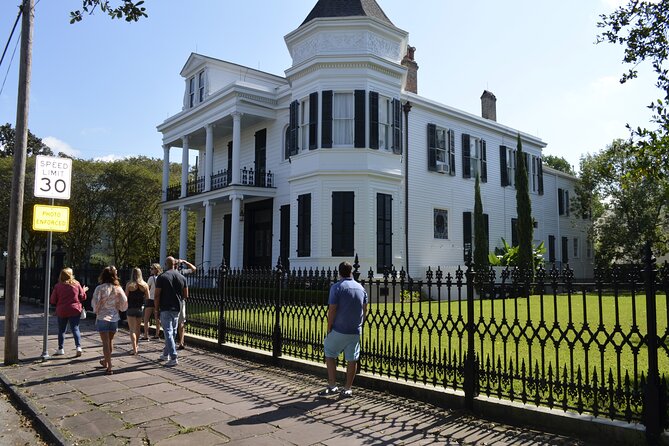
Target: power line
[9,67]
[18,17]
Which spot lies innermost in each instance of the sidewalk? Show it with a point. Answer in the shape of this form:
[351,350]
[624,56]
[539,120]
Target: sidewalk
[211,399]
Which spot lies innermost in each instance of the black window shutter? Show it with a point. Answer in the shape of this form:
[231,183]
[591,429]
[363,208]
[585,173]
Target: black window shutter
[466,153]
[560,202]
[304,225]
[566,202]
[541,176]
[373,120]
[313,121]
[502,166]
[514,232]
[484,163]
[359,135]
[326,126]
[487,228]
[292,125]
[467,235]
[451,152]
[431,144]
[551,248]
[397,127]
[565,250]
[342,223]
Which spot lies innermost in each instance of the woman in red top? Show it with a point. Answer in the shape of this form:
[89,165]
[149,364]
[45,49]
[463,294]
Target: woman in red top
[67,296]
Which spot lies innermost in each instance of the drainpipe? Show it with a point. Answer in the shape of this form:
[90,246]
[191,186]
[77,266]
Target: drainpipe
[406,108]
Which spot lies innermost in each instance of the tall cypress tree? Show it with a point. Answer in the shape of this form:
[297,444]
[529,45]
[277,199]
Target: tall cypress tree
[481,261]
[524,210]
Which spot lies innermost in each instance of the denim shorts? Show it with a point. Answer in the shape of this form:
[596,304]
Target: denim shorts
[336,342]
[106,326]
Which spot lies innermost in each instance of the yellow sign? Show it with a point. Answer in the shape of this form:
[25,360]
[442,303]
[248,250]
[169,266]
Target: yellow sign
[51,218]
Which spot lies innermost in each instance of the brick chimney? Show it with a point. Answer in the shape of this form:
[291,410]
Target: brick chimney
[408,61]
[488,105]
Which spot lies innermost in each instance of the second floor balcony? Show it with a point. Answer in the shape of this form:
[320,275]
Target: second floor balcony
[222,179]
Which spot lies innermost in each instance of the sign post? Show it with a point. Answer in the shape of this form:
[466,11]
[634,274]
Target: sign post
[53,178]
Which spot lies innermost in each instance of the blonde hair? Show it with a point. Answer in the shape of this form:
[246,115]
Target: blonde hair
[67,276]
[136,280]
[157,267]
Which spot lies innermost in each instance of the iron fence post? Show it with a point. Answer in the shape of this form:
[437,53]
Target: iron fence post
[471,374]
[651,406]
[222,288]
[277,339]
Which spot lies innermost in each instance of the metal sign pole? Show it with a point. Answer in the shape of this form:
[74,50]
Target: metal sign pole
[47,286]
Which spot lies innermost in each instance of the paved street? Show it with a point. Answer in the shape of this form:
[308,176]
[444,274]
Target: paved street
[211,399]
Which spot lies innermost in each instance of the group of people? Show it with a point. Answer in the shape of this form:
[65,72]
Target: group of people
[165,294]
[162,296]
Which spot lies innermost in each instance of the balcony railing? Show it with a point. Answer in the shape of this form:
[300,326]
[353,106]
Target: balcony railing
[221,180]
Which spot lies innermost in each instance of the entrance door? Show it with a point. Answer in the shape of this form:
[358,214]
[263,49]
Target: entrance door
[258,234]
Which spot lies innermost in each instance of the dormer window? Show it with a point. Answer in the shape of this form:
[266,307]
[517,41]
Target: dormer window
[200,84]
[191,92]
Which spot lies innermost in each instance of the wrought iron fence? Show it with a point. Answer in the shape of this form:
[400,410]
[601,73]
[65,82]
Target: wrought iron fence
[545,340]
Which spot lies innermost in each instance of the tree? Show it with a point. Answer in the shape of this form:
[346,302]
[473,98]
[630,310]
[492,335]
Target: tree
[35,144]
[129,10]
[558,163]
[626,210]
[524,211]
[480,233]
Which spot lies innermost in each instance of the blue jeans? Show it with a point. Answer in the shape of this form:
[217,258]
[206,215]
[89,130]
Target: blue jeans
[74,325]
[169,320]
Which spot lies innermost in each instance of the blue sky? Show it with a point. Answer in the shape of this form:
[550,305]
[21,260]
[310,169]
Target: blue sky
[100,87]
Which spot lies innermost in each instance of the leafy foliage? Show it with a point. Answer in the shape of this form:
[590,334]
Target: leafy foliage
[35,144]
[627,210]
[509,255]
[524,210]
[558,163]
[129,10]
[480,235]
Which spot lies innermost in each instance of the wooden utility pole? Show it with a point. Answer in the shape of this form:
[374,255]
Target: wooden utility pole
[18,183]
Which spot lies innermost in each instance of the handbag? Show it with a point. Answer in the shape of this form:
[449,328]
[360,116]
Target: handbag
[83,312]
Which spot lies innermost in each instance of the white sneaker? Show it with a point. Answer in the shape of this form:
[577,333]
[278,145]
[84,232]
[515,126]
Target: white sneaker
[163,358]
[172,362]
[79,351]
[59,352]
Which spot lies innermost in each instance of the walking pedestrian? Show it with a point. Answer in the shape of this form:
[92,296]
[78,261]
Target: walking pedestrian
[108,300]
[181,330]
[171,289]
[68,296]
[149,306]
[347,308]
[137,292]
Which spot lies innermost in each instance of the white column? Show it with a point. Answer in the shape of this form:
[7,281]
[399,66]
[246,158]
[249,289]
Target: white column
[208,217]
[235,230]
[184,167]
[163,236]
[209,156]
[166,171]
[236,147]
[183,233]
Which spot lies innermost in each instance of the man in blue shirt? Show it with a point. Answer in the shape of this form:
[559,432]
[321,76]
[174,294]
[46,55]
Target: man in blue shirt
[347,308]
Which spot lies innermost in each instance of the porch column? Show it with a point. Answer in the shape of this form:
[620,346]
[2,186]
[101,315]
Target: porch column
[208,156]
[184,167]
[235,230]
[183,233]
[208,217]
[163,236]
[236,147]
[166,170]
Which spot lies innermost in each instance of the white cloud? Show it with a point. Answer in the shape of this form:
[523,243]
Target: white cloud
[109,158]
[59,146]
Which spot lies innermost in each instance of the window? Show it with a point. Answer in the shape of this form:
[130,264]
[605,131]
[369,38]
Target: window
[474,158]
[511,166]
[441,223]
[293,130]
[200,84]
[191,92]
[384,232]
[304,124]
[342,223]
[563,202]
[588,249]
[533,170]
[575,246]
[565,250]
[385,124]
[304,225]
[440,149]
[342,119]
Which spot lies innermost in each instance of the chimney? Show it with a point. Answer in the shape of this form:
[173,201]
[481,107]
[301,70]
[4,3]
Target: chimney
[488,105]
[408,61]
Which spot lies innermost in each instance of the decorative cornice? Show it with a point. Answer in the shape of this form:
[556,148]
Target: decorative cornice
[346,42]
[347,65]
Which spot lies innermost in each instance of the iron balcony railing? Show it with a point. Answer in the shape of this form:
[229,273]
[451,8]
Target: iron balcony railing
[221,180]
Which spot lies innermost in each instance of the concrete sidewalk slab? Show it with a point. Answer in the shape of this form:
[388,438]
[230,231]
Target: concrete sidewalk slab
[211,398]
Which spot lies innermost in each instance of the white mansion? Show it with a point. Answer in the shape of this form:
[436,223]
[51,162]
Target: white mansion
[343,157]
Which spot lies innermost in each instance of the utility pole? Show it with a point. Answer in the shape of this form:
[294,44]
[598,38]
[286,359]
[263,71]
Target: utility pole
[18,183]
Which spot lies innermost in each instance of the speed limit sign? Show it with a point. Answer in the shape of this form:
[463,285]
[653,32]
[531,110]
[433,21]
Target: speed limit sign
[53,177]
